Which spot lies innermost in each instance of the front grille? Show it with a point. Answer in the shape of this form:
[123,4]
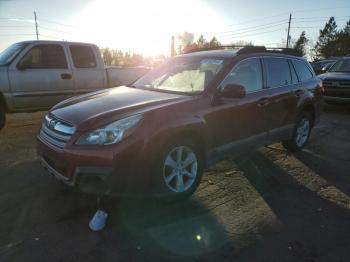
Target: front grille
[336,83]
[55,132]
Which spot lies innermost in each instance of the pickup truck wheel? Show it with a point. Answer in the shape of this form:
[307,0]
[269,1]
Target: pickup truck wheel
[301,133]
[2,117]
[180,170]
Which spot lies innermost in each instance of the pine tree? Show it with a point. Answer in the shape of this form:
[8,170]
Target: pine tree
[324,46]
[300,44]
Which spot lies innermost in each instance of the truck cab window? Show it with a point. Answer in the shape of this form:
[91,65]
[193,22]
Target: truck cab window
[45,56]
[83,56]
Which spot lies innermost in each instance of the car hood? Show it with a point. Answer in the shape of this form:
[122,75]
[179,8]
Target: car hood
[110,103]
[335,76]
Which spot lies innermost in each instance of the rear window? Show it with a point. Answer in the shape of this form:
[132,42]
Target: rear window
[302,70]
[278,73]
[83,56]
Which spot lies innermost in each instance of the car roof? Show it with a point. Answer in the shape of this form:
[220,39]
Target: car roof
[55,42]
[231,53]
[213,53]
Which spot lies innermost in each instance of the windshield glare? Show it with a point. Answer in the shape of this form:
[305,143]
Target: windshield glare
[11,52]
[184,75]
[341,66]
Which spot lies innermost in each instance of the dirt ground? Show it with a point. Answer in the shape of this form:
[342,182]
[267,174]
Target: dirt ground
[268,206]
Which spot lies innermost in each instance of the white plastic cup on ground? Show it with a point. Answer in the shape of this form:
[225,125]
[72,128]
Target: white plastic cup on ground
[98,221]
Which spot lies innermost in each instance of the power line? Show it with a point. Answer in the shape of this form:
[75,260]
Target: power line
[257,19]
[15,26]
[55,30]
[319,17]
[258,26]
[15,34]
[260,33]
[253,30]
[54,37]
[62,24]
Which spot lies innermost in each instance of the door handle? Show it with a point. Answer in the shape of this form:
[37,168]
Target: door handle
[298,92]
[263,102]
[66,76]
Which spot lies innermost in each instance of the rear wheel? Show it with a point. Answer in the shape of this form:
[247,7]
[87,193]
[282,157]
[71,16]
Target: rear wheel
[301,133]
[2,116]
[180,169]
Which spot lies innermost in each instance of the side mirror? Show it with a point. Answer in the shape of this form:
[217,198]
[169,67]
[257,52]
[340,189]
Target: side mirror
[233,91]
[23,64]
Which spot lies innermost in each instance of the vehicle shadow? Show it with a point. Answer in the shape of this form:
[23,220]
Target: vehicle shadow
[337,107]
[44,221]
[172,231]
[309,222]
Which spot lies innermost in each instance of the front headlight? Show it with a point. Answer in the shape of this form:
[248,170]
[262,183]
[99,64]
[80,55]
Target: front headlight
[110,134]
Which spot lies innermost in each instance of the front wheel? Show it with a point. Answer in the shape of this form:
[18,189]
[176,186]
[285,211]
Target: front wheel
[301,133]
[180,169]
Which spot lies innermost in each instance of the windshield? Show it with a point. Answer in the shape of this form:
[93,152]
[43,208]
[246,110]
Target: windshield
[341,66]
[11,52]
[182,74]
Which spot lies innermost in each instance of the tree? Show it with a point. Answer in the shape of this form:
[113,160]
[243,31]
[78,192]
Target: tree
[325,44]
[185,40]
[300,44]
[241,43]
[201,42]
[119,58]
[341,44]
[214,42]
[107,56]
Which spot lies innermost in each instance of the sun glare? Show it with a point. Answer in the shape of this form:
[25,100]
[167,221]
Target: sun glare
[143,26]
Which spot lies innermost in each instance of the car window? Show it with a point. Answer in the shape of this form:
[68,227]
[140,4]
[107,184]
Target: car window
[83,56]
[302,70]
[247,73]
[277,70]
[45,56]
[342,65]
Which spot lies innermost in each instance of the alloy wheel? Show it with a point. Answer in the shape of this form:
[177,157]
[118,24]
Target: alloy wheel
[302,132]
[180,169]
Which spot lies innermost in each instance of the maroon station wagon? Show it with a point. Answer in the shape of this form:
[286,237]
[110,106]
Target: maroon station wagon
[156,136]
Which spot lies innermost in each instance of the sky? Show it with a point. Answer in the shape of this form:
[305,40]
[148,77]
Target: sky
[146,26]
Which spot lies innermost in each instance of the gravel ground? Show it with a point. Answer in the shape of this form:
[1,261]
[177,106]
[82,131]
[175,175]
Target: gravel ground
[268,206]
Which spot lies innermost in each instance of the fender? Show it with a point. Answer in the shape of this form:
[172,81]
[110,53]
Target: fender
[307,102]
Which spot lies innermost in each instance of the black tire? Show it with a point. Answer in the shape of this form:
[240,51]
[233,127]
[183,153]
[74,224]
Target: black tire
[2,116]
[167,191]
[294,144]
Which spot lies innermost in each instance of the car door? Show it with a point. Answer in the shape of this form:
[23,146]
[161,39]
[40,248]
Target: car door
[41,77]
[89,73]
[284,88]
[239,123]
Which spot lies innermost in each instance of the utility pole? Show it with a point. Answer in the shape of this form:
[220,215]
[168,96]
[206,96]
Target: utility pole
[36,26]
[172,48]
[288,36]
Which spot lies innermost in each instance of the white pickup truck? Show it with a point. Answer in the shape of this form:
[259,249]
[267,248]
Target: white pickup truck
[35,75]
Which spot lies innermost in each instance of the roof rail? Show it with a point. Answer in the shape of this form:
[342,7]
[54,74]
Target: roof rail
[248,49]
